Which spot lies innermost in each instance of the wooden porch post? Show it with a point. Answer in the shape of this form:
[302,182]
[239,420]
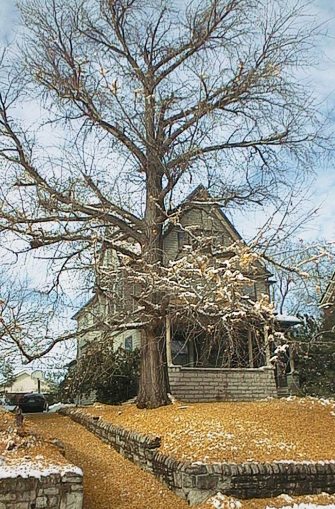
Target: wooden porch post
[191,353]
[267,346]
[251,357]
[292,366]
[168,341]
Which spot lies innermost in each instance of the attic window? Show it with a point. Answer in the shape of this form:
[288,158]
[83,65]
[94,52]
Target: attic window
[128,343]
[183,239]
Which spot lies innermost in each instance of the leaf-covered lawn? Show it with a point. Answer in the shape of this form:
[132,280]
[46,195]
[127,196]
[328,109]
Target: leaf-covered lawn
[112,482]
[297,429]
[25,444]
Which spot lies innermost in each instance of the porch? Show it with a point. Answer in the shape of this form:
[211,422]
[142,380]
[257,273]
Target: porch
[220,373]
[222,384]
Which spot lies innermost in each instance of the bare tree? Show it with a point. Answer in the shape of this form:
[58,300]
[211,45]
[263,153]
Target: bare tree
[28,321]
[302,271]
[164,96]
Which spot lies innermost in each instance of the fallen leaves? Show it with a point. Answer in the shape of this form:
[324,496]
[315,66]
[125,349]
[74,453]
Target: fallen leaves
[293,429]
[25,443]
[220,501]
[110,481]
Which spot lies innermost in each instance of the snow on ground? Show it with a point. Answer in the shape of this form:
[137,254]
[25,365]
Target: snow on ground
[38,469]
[9,408]
[305,506]
[58,406]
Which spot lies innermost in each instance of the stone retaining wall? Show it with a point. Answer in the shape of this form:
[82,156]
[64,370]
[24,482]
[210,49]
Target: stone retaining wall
[195,482]
[222,384]
[29,487]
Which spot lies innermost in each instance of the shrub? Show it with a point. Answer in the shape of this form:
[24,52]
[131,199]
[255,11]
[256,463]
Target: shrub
[112,375]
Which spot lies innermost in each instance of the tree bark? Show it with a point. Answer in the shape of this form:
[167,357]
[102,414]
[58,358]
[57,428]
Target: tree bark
[153,389]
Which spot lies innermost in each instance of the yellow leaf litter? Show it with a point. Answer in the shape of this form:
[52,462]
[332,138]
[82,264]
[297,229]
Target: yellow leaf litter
[25,443]
[295,429]
[112,482]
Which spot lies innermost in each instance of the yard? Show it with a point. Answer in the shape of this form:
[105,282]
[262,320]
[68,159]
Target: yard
[112,482]
[26,445]
[290,429]
[298,429]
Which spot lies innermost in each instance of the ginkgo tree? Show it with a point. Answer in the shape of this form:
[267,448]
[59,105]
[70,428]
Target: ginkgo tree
[150,97]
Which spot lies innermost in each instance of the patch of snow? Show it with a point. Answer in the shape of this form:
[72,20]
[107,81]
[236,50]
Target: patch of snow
[172,399]
[285,497]
[281,349]
[35,469]
[304,506]
[57,406]
[220,501]
[9,408]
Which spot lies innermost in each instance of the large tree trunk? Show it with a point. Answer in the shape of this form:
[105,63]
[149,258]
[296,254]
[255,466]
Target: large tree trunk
[153,387]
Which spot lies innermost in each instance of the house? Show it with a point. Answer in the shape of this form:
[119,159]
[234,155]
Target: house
[196,374]
[327,303]
[25,382]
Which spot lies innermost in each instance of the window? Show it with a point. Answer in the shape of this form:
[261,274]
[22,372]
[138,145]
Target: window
[183,239]
[180,355]
[128,343]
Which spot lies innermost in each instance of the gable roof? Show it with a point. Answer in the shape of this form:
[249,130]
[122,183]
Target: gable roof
[84,307]
[26,373]
[200,195]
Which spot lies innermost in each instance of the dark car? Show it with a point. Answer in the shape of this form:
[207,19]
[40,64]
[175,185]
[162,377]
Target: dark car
[34,402]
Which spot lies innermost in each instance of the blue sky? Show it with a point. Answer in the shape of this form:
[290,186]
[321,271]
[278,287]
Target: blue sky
[322,79]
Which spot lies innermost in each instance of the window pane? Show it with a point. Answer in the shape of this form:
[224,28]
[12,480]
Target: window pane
[128,343]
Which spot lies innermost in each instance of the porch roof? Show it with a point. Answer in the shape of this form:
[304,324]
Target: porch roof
[288,320]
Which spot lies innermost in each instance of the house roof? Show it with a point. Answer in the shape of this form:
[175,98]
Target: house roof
[25,372]
[198,195]
[288,320]
[201,194]
[85,306]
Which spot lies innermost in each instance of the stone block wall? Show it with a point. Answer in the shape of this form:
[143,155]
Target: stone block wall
[222,384]
[38,489]
[196,482]
[136,447]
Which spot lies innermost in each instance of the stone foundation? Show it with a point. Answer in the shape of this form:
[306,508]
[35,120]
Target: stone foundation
[28,486]
[222,384]
[195,482]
